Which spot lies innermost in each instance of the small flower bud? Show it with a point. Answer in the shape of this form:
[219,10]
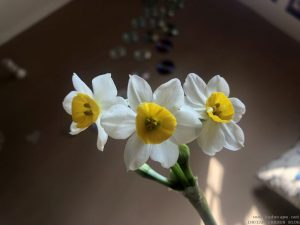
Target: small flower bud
[183,161]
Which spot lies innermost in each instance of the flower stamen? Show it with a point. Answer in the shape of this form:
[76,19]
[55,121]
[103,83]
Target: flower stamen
[151,124]
[154,123]
[219,108]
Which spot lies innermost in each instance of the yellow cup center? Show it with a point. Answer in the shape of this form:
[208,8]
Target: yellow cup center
[154,123]
[219,107]
[85,110]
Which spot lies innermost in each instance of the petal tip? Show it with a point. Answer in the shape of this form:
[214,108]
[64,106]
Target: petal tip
[100,148]
[72,133]
[104,75]
[176,80]
[219,77]
[129,167]
[193,75]
[211,154]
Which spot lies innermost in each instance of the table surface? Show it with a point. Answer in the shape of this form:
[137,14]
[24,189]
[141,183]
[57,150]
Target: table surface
[65,180]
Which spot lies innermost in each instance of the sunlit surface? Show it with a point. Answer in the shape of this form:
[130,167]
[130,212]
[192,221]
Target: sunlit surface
[213,190]
[252,214]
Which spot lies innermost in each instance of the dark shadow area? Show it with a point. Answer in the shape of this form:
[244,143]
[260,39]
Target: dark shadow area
[268,199]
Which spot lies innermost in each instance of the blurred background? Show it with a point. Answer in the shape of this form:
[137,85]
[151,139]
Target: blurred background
[50,177]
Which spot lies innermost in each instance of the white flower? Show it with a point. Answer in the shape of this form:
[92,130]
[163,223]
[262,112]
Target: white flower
[87,107]
[155,122]
[219,112]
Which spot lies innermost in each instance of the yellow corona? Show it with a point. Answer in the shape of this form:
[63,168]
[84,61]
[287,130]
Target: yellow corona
[85,110]
[219,107]
[154,123]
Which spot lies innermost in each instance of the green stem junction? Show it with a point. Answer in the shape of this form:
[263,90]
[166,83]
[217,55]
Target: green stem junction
[182,179]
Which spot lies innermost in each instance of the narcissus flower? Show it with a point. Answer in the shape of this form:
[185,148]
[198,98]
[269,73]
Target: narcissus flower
[86,107]
[155,122]
[219,112]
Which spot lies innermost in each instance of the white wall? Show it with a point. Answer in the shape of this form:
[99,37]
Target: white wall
[275,13]
[18,15]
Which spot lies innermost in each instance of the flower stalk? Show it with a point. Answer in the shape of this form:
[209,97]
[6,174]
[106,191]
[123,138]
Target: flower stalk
[182,179]
[196,197]
[147,172]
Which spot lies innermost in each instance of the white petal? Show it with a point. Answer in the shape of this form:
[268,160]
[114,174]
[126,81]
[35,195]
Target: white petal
[166,153]
[121,100]
[170,94]
[188,126]
[239,109]
[67,103]
[138,91]
[105,105]
[136,153]
[202,114]
[217,84]
[199,109]
[194,88]
[234,136]
[104,88]
[74,129]
[102,136]
[80,86]
[119,121]
[211,138]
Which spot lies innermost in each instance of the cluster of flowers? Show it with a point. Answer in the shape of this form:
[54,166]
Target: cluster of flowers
[157,122]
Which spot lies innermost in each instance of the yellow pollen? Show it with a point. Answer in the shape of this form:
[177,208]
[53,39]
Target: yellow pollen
[85,110]
[219,107]
[151,124]
[154,123]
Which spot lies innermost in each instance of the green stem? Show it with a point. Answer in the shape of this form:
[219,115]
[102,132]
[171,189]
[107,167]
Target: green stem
[177,171]
[198,200]
[147,172]
[183,180]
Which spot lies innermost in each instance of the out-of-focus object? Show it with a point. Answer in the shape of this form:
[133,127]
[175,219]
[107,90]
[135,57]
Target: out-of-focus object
[130,37]
[155,26]
[142,54]
[138,22]
[13,68]
[146,75]
[33,137]
[284,14]
[151,36]
[171,30]
[164,45]
[16,16]
[165,67]
[118,52]
[283,175]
